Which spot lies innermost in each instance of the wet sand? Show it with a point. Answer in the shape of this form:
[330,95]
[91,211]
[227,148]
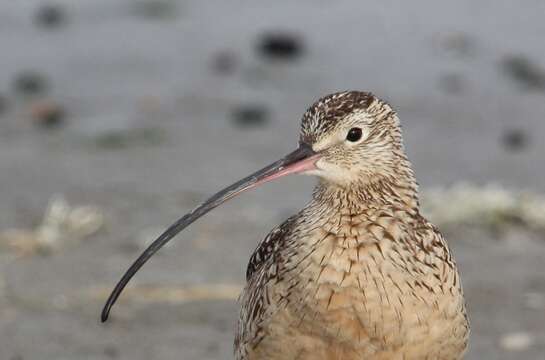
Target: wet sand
[142,108]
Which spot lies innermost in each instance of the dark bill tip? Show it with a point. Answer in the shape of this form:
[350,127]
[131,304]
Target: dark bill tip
[300,160]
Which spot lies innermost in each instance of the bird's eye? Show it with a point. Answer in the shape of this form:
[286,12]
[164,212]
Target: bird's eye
[354,134]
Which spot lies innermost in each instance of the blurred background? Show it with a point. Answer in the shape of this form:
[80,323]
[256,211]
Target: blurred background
[118,116]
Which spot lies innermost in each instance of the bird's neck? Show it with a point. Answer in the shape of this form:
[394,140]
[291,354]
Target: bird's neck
[399,191]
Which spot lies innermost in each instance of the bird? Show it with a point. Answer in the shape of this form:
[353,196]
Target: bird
[359,272]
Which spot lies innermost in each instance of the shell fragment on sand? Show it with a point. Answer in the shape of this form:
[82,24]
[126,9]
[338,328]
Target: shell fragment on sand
[489,206]
[61,224]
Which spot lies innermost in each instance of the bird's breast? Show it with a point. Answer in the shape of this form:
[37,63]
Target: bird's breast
[359,283]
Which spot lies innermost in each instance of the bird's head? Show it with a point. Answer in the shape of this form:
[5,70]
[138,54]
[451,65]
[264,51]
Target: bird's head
[357,138]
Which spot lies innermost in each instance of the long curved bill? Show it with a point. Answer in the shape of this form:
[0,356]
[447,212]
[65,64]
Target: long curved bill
[301,160]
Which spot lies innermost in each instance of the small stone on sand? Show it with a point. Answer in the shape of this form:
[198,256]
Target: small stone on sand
[50,16]
[514,139]
[524,71]
[250,116]
[30,83]
[282,46]
[47,114]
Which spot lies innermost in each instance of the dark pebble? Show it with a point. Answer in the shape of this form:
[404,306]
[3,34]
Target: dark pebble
[282,46]
[224,63]
[30,83]
[48,114]
[250,116]
[50,16]
[524,71]
[514,139]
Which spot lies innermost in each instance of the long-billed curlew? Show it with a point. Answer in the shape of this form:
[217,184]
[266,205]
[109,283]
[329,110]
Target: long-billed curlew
[358,273]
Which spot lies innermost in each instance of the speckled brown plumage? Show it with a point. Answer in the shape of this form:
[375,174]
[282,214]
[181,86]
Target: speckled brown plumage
[358,273]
